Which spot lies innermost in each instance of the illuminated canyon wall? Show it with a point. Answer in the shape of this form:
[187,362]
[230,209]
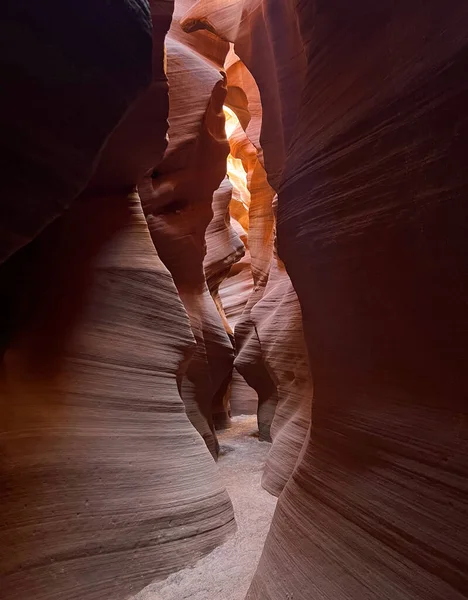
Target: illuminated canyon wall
[106,485]
[363,135]
[150,290]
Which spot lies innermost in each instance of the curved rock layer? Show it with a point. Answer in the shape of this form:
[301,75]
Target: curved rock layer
[266,39]
[258,359]
[372,228]
[251,365]
[278,321]
[106,485]
[177,200]
[224,246]
[362,133]
[223,249]
[236,288]
[253,210]
[243,98]
[99,456]
[202,42]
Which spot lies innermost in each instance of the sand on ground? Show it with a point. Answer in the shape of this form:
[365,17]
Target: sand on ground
[226,573]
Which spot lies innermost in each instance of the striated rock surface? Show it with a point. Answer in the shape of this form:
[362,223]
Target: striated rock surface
[250,364]
[236,289]
[105,483]
[366,104]
[243,98]
[99,495]
[223,249]
[266,39]
[278,322]
[177,200]
[203,42]
[259,220]
[363,136]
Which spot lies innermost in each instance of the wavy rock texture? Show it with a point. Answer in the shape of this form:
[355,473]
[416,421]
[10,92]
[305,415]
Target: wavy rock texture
[372,229]
[177,200]
[105,483]
[266,39]
[243,98]
[63,70]
[256,198]
[224,248]
[364,137]
[278,321]
[236,289]
[202,42]
[234,293]
[250,364]
[100,496]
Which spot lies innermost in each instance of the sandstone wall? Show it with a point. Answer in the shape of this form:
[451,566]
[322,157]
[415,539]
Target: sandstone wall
[366,106]
[354,114]
[177,200]
[105,483]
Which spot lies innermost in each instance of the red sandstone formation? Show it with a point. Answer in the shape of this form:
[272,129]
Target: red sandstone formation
[369,102]
[277,68]
[250,208]
[234,293]
[204,43]
[177,201]
[99,480]
[236,289]
[223,250]
[106,485]
[285,355]
[224,247]
[354,114]
[243,98]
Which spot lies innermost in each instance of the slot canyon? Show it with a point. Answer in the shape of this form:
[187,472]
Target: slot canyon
[234,300]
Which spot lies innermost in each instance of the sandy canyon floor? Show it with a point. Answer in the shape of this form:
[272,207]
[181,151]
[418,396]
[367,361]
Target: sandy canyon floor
[226,572]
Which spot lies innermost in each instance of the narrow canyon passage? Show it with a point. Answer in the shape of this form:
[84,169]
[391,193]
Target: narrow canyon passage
[233,300]
[227,571]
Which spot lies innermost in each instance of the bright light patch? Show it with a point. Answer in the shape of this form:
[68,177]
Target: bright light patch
[235,168]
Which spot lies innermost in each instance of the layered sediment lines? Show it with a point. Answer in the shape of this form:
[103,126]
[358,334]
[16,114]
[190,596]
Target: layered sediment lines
[358,141]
